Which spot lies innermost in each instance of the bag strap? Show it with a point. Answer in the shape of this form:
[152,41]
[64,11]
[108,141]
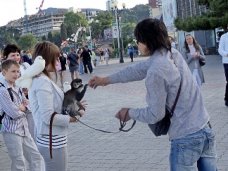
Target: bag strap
[9,90]
[179,89]
[50,133]
[10,93]
[176,99]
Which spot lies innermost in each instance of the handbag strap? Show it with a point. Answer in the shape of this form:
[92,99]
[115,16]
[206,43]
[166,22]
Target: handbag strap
[176,99]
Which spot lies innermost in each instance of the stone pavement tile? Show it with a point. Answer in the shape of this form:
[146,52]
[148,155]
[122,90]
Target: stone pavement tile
[139,149]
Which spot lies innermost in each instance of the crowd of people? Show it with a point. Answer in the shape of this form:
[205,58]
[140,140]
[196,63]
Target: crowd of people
[26,112]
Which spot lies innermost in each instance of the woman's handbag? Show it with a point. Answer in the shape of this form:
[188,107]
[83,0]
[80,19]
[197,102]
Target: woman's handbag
[162,126]
[202,62]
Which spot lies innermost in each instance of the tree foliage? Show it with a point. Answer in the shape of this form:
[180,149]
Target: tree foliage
[27,41]
[216,16]
[135,14]
[105,19]
[73,21]
[96,29]
[63,32]
[8,35]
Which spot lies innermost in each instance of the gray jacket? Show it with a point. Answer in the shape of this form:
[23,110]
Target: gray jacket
[162,80]
[193,63]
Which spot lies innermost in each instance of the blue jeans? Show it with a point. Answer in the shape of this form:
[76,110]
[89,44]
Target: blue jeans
[194,151]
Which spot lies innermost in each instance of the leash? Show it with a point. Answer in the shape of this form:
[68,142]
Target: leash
[50,133]
[122,125]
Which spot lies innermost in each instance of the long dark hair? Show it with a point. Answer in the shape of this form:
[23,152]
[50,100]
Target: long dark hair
[195,44]
[153,33]
[50,53]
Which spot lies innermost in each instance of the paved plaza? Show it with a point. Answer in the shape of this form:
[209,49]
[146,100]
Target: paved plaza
[139,149]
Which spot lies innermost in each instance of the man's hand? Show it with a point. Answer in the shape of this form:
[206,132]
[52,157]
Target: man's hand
[98,81]
[123,115]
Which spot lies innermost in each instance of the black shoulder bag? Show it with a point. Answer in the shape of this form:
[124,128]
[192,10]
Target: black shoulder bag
[162,126]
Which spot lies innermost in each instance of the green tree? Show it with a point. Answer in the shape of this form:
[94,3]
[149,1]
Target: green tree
[43,38]
[8,35]
[56,38]
[27,41]
[135,14]
[105,19]
[216,16]
[73,21]
[63,32]
[96,29]
[128,33]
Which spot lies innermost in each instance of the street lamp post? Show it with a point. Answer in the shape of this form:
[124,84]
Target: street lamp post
[117,11]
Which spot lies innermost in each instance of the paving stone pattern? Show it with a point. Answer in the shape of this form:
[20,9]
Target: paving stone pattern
[139,149]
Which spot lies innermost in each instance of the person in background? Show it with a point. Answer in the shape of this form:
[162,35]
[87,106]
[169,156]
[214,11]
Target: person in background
[172,41]
[18,140]
[73,60]
[192,52]
[223,51]
[94,59]
[191,136]
[25,57]
[63,63]
[86,58]
[81,66]
[130,50]
[46,98]
[98,56]
[106,55]
[101,55]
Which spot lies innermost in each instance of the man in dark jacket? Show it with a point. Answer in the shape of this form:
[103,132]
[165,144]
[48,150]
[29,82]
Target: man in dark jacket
[86,57]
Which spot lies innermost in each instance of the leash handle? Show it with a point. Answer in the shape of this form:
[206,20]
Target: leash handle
[50,133]
[123,123]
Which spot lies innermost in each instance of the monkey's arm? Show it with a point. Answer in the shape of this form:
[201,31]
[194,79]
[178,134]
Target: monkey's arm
[80,95]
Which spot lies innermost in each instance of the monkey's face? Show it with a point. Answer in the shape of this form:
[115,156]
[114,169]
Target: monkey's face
[76,83]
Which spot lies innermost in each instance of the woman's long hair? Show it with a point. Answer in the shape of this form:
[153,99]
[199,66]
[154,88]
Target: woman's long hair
[50,53]
[195,44]
[153,33]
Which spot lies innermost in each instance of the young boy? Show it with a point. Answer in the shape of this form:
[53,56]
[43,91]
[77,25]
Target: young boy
[15,131]
[12,52]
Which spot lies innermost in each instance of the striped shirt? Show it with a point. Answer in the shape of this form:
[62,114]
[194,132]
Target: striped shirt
[14,120]
[58,141]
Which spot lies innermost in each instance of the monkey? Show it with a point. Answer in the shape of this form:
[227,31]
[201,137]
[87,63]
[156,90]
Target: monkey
[72,98]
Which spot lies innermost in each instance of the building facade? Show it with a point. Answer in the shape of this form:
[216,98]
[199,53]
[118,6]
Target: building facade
[155,8]
[189,8]
[50,20]
[41,24]
[206,38]
[109,4]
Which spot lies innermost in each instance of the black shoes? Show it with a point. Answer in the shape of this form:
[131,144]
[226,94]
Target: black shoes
[226,103]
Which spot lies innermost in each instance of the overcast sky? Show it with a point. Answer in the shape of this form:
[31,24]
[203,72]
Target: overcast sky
[14,9]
